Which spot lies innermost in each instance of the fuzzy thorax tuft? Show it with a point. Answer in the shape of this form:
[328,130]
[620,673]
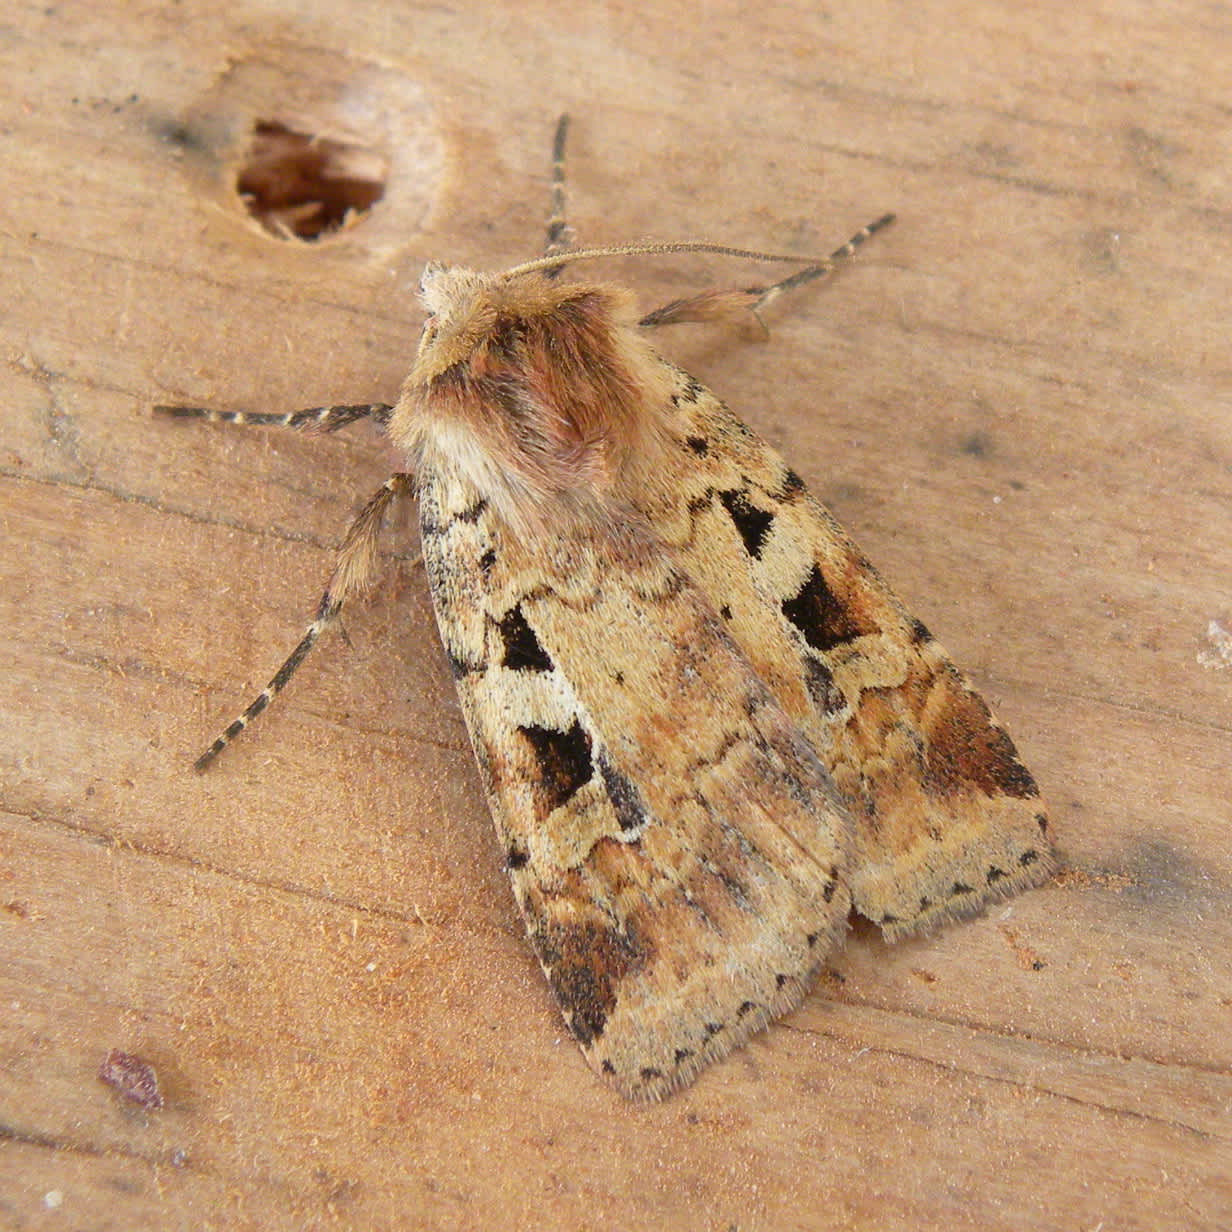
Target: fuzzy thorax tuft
[542,397]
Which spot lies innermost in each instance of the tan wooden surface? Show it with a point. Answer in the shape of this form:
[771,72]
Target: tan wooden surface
[1019,401]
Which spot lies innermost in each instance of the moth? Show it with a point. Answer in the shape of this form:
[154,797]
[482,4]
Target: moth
[707,730]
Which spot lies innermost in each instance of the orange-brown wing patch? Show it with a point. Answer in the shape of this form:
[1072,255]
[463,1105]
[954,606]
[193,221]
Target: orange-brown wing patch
[946,815]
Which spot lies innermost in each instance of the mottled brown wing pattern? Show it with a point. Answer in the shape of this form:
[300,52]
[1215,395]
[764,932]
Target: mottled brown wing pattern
[681,882]
[946,816]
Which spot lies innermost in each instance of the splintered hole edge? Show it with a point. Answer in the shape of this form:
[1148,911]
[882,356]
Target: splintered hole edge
[307,186]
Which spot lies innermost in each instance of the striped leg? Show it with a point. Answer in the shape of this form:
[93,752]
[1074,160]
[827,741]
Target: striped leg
[351,577]
[558,238]
[314,418]
[711,305]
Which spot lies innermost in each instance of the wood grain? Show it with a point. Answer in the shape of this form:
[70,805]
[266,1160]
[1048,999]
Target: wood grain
[1019,401]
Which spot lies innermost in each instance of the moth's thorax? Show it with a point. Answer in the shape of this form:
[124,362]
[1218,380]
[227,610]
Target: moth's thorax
[543,397]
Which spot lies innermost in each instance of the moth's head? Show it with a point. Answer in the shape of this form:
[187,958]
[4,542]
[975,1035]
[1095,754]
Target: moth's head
[488,334]
[472,318]
[459,307]
[442,288]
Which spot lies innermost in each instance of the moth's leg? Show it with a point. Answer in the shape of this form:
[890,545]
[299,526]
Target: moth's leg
[314,418]
[558,237]
[711,305]
[351,577]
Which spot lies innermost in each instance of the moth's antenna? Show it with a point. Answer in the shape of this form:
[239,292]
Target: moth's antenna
[820,264]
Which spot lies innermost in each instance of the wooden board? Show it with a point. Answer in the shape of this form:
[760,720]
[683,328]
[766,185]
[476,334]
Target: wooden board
[1019,401]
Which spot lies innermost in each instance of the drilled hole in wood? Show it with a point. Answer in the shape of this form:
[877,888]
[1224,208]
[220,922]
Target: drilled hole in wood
[305,186]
